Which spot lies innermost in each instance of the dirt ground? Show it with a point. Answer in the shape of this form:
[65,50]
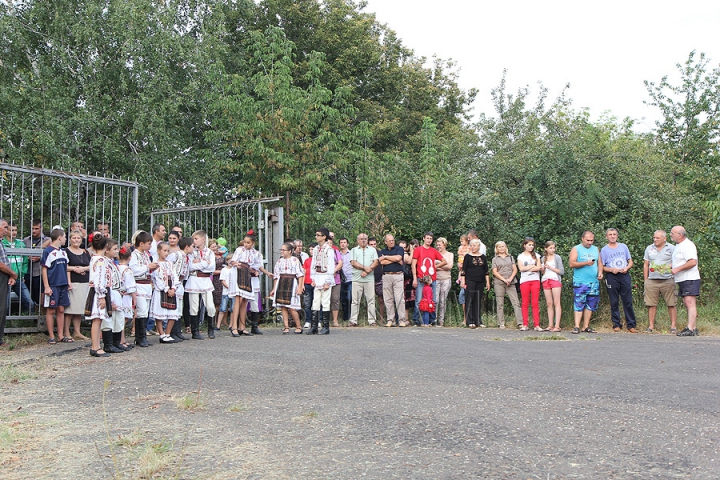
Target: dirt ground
[367,402]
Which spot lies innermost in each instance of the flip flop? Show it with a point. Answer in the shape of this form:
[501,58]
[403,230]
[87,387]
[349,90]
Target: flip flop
[67,340]
[52,341]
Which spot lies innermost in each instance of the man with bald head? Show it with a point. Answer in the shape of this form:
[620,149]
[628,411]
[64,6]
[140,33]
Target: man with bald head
[392,261]
[687,276]
[659,281]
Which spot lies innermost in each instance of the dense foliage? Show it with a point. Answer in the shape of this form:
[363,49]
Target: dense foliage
[204,101]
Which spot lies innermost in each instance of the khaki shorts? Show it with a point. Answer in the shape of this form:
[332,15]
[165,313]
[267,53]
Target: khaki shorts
[655,288]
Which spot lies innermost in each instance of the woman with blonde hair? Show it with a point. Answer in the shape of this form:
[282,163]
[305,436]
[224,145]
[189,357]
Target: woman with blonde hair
[504,273]
[444,280]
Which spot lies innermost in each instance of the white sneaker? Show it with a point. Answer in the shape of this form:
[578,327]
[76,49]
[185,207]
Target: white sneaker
[524,328]
[502,327]
[307,325]
[538,329]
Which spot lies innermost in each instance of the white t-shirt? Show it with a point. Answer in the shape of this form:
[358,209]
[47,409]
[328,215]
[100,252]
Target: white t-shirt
[550,274]
[683,252]
[225,275]
[524,259]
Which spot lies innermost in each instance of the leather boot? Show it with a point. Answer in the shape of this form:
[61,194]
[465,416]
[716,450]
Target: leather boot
[116,339]
[141,332]
[313,330]
[325,324]
[107,337]
[176,331]
[254,321]
[210,326]
[195,327]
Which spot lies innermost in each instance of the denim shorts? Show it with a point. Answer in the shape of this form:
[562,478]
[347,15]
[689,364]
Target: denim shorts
[226,302]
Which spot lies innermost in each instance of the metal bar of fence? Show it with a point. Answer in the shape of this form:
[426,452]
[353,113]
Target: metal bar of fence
[46,172]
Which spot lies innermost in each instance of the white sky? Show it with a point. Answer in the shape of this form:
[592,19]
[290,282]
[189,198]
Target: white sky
[603,49]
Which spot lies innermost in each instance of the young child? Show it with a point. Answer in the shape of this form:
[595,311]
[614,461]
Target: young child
[180,266]
[113,324]
[55,280]
[95,306]
[289,280]
[142,267]
[249,263]
[128,290]
[201,265]
[228,276]
[165,282]
[427,304]
[217,284]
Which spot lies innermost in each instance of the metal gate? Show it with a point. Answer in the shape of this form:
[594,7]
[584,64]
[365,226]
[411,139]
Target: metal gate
[231,221]
[56,197]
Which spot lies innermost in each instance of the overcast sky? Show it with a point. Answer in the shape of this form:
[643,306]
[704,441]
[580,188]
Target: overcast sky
[604,50]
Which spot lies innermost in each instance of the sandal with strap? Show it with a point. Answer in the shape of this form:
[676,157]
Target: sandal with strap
[575,330]
[589,330]
[286,331]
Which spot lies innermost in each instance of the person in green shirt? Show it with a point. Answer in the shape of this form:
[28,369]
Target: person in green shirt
[20,265]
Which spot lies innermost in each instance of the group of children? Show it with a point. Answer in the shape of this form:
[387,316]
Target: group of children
[174,284]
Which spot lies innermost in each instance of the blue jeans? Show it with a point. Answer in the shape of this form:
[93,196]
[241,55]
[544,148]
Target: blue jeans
[418,297]
[21,290]
[346,299]
[226,302]
[308,296]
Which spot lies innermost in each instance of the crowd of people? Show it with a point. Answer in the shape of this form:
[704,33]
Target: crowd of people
[157,286]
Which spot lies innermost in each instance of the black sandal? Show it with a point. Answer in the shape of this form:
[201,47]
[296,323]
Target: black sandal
[94,353]
[286,331]
[589,330]
[234,332]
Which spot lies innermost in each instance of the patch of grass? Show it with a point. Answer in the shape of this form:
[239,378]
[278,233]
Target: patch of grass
[25,340]
[155,458]
[496,339]
[544,337]
[16,374]
[307,417]
[238,407]
[132,439]
[192,401]
[13,440]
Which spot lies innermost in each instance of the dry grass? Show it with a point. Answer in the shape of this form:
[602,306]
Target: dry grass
[16,342]
[238,407]
[545,337]
[192,401]
[154,459]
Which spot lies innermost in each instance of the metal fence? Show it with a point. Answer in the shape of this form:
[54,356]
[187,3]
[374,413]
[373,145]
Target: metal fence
[56,197]
[231,220]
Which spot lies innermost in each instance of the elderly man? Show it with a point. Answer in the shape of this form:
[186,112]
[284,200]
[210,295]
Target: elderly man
[586,280]
[364,259]
[659,280]
[392,261]
[7,279]
[616,261]
[687,277]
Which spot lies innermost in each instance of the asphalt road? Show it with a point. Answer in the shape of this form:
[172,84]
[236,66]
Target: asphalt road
[396,403]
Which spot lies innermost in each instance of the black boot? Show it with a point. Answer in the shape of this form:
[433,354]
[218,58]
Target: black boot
[176,331]
[141,332]
[325,323]
[195,327]
[107,337]
[116,339]
[313,330]
[254,320]
[210,326]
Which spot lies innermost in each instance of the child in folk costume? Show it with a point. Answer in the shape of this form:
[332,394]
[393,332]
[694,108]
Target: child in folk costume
[165,282]
[95,310]
[181,268]
[128,289]
[142,267]
[113,324]
[201,265]
[289,285]
[322,270]
[249,263]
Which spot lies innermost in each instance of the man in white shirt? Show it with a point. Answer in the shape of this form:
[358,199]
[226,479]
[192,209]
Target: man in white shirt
[687,276]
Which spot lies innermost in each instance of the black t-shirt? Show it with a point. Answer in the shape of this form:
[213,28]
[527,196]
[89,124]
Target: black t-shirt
[82,260]
[393,267]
